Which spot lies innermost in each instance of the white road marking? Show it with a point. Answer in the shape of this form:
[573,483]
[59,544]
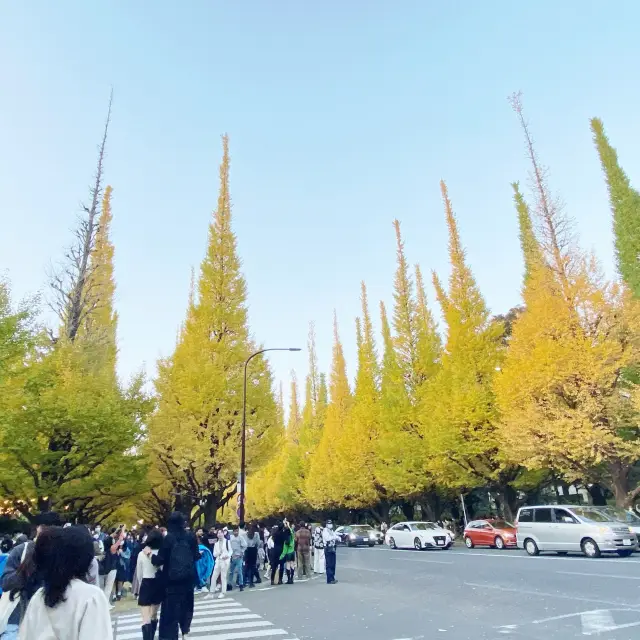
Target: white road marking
[425,561]
[594,622]
[544,594]
[623,561]
[199,618]
[212,620]
[615,628]
[599,575]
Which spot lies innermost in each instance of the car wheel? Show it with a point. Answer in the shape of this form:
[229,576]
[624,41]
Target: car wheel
[372,544]
[499,542]
[380,541]
[392,543]
[349,544]
[417,545]
[625,553]
[531,547]
[590,548]
[469,542]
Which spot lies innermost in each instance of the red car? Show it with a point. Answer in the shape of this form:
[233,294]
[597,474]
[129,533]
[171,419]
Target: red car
[490,533]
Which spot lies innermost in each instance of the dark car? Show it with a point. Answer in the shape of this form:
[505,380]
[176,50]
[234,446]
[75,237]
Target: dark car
[357,535]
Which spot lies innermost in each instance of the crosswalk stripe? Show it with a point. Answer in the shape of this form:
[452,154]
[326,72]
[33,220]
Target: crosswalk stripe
[217,627]
[218,604]
[219,612]
[205,619]
[130,617]
[228,627]
[197,619]
[257,633]
[212,620]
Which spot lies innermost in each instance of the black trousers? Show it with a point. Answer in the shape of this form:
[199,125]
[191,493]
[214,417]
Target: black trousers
[176,614]
[251,571]
[276,563]
[330,563]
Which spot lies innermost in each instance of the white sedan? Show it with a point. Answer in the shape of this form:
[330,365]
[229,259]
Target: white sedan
[418,535]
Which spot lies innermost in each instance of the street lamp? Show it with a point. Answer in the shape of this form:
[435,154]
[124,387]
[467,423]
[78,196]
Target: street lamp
[244,423]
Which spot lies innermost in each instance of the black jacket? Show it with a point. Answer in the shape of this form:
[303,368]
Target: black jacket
[163,559]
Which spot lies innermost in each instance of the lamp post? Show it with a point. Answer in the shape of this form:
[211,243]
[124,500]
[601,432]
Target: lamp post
[244,423]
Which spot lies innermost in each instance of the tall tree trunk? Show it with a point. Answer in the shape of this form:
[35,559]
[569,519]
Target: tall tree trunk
[407,509]
[509,499]
[380,512]
[597,494]
[211,510]
[431,506]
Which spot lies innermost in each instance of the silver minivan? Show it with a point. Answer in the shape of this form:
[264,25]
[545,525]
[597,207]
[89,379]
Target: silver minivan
[565,528]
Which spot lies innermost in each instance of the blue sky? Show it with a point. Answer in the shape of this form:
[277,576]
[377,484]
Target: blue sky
[341,117]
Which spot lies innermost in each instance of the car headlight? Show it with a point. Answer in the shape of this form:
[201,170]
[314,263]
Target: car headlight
[605,531]
[352,536]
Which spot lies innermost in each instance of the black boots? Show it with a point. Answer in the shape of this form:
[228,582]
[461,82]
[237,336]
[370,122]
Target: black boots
[154,627]
[290,574]
[147,632]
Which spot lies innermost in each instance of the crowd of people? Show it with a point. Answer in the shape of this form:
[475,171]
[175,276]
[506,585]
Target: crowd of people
[62,584]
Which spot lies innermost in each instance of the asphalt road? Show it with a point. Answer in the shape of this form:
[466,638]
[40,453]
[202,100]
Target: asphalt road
[458,594]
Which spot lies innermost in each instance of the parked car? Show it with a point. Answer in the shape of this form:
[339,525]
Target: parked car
[356,535]
[490,533]
[418,535]
[624,515]
[565,528]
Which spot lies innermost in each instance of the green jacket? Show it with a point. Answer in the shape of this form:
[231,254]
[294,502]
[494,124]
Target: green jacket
[289,545]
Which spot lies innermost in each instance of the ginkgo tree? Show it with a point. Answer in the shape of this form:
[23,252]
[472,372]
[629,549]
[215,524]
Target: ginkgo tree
[194,437]
[458,416]
[564,402]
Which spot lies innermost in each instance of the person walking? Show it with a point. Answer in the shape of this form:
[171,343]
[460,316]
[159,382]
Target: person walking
[177,557]
[277,541]
[330,539]
[288,555]
[204,567]
[318,551]
[5,548]
[150,591]
[251,570]
[123,556]
[22,577]
[238,547]
[109,570]
[222,555]
[66,607]
[303,550]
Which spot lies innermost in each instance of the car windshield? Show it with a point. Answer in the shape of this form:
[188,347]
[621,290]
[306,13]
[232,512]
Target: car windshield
[592,514]
[423,526]
[622,515]
[362,529]
[502,524]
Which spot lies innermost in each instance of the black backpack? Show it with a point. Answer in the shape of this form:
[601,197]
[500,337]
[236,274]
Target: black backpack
[181,563]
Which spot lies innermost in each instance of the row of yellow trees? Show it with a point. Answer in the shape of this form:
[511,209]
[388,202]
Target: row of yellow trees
[551,392]
[548,392]
[69,429]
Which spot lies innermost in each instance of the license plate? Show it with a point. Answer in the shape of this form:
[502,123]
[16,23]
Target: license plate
[627,543]
[365,539]
[440,543]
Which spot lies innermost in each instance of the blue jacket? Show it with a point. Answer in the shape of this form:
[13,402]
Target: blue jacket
[3,561]
[204,566]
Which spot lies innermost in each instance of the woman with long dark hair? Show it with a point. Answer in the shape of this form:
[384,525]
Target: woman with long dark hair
[151,588]
[177,557]
[66,607]
[278,537]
